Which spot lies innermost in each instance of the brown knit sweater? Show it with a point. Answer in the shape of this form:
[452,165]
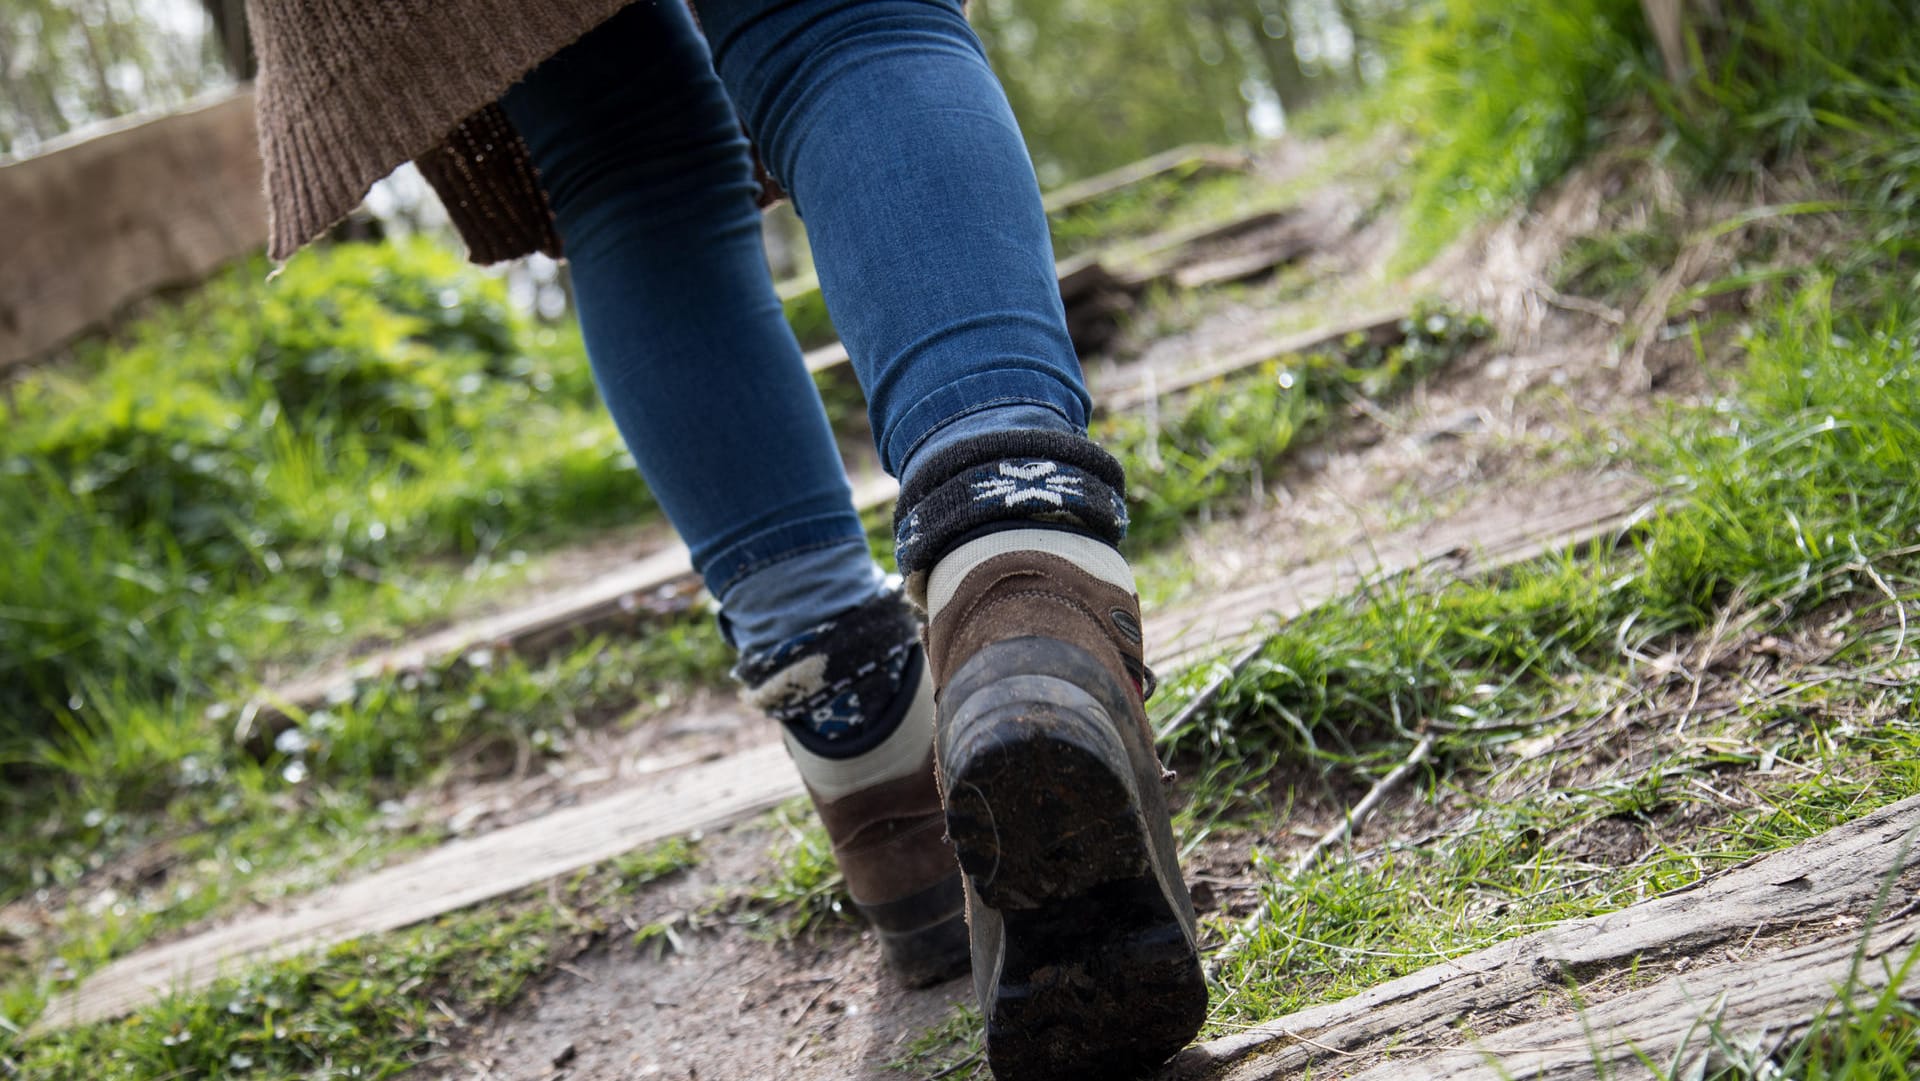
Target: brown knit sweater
[350,89]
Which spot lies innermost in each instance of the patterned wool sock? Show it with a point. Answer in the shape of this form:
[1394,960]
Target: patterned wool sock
[853,695]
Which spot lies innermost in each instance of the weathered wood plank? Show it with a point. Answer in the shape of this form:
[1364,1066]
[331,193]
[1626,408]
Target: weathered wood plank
[1381,328]
[470,871]
[1677,1021]
[100,223]
[451,877]
[1205,159]
[1479,540]
[1837,875]
[612,602]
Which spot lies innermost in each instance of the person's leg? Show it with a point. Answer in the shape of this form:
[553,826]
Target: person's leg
[882,119]
[896,142]
[642,159]
[653,192]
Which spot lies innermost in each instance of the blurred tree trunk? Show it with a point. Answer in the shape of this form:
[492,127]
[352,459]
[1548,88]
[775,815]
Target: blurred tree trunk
[1284,72]
[231,35]
[106,102]
[1360,25]
[1222,20]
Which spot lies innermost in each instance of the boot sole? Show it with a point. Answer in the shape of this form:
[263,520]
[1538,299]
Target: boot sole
[1094,973]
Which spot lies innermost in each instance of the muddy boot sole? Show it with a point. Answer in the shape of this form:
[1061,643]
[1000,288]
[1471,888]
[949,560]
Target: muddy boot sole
[1084,953]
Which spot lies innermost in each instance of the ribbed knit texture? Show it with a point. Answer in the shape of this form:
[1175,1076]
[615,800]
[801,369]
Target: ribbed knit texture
[350,89]
[1005,480]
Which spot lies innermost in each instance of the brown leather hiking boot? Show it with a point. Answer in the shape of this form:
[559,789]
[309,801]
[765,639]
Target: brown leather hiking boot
[1084,951]
[858,707]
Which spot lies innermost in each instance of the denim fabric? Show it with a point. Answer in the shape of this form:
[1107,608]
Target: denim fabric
[882,120]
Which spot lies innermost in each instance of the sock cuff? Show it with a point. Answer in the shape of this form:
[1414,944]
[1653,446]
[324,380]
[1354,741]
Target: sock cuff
[836,685]
[1006,480]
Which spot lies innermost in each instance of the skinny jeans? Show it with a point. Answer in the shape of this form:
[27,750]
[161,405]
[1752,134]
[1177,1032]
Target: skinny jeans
[884,123]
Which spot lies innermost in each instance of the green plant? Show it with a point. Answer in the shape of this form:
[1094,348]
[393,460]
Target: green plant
[806,891]
[1500,98]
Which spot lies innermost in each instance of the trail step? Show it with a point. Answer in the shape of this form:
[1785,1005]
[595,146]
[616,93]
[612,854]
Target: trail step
[618,601]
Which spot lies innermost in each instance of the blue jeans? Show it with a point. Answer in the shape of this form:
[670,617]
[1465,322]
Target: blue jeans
[884,123]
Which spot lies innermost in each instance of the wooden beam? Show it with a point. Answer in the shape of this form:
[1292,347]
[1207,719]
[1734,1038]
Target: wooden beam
[453,876]
[1476,542]
[1832,881]
[1379,328]
[701,797]
[615,601]
[94,225]
[1683,1019]
[1203,159]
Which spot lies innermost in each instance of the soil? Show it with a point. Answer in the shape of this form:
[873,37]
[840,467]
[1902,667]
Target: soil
[722,1003]
[732,1008]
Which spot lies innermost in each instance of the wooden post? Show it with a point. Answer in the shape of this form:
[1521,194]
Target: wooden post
[99,222]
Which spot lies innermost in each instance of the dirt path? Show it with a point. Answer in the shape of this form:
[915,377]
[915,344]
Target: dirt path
[726,1003]
[815,1012]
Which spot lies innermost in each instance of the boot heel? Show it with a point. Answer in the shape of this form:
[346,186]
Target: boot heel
[1037,754]
[1085,961]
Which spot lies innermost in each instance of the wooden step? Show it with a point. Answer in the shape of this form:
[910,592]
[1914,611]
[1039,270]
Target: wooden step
[617,601]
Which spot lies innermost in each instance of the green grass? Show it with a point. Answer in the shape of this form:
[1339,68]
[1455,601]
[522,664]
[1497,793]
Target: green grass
[236,824]
[1499,99]
[953,1048]
[803,893]
[1194,193]
[1223,439]
[266,454]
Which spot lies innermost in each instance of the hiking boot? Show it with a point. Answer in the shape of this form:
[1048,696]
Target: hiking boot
[856,701]
[1082,930]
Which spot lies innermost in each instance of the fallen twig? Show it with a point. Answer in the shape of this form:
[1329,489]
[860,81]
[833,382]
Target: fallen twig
[1339,834]
[1364,809]
[1211,691]
[970,1060]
